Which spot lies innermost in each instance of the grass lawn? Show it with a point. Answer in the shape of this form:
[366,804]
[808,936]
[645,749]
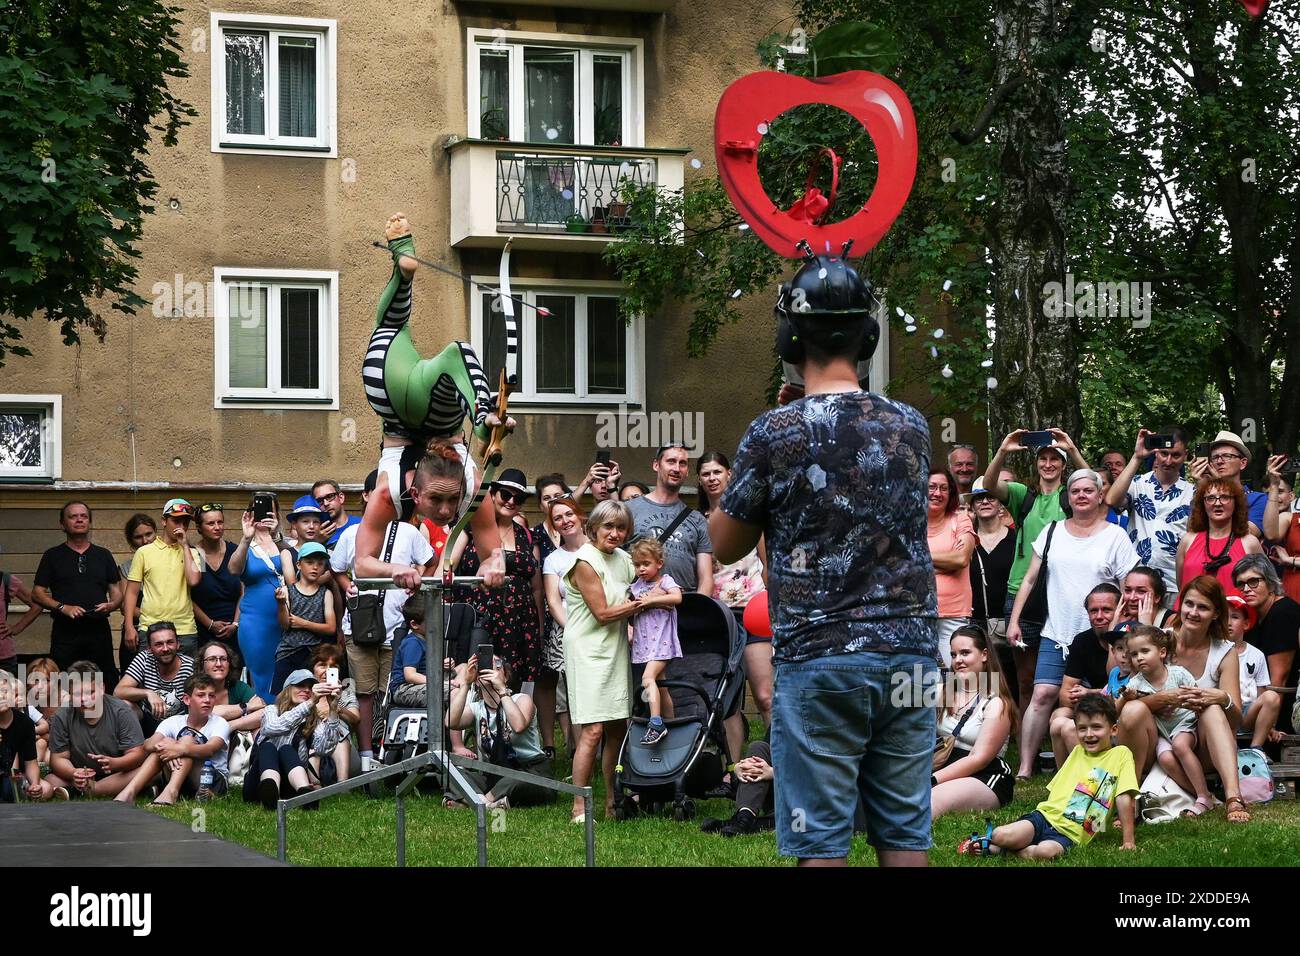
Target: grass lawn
[356,830]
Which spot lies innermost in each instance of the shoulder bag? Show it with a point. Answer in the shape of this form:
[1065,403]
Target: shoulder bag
[366,609]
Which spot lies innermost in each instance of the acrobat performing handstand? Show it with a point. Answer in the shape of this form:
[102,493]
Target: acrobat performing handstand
[425,465]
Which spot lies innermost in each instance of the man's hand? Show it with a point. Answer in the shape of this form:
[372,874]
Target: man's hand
[168,749]
[1062,439]
[493,570]
[1077,693]
[130,637]
[103,607]
[1198,468]
[220,629]
[83,777]
[1012,441]
[615,473]
[1140,449]
[328,528]
[105,762]
[73,611]
[408,578]
[156,703]
[179,534]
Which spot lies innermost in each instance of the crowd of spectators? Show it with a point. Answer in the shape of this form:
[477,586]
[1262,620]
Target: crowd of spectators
[1160,584]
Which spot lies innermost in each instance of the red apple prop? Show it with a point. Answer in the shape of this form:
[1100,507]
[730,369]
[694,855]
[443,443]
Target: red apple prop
[754,101]
[1255,7]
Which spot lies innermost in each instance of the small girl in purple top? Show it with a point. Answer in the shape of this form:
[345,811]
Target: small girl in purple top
[654,631]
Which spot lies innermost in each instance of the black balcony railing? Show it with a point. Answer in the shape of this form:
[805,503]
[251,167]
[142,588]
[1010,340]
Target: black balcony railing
[549,193]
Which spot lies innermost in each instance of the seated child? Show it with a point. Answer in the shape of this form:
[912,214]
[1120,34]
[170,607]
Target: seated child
[654,631]
[1121,671]
[45,695]
[1260,705]
[18,748]
[189,750]
[1081,799]
[1151,651]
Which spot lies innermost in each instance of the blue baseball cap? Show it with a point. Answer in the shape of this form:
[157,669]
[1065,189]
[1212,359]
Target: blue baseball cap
[311,549]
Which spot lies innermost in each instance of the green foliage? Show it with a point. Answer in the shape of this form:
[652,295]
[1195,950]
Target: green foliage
[83,90]
[852,45]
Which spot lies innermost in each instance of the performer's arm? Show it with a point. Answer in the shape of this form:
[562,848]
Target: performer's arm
[732,539]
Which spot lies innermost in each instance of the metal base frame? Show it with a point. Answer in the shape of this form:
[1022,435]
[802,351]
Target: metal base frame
[438,761]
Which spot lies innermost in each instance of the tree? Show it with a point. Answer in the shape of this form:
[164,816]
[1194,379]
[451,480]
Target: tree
[83,88]
[1105,142]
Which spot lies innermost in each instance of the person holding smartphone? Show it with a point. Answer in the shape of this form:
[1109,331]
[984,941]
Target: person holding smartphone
[263,567]
[601,480]
[162,574]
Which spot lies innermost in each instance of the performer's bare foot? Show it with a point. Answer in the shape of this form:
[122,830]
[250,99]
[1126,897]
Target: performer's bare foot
[397,227]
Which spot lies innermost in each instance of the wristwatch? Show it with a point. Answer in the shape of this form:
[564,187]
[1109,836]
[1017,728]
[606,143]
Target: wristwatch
[59,608]
[243,709]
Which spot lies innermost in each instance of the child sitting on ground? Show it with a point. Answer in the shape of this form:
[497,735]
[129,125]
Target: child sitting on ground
[1151,651]
[1121,671]
[189,750]
[654,631]
[306,614]
[1096,780]
[1260,704]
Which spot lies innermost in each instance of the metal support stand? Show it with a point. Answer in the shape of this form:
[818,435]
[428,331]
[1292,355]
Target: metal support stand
[436,759]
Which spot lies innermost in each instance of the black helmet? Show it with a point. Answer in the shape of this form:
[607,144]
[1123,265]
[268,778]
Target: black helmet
[825,286]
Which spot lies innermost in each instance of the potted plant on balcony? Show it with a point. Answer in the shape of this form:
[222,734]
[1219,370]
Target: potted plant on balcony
[576,223]
[598,217]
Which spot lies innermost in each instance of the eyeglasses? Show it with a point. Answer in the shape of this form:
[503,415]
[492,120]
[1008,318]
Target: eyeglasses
[1220,458]
[1249,584]
[211,506]
[1217,499]
[518,497]
[216,660]
[330,497]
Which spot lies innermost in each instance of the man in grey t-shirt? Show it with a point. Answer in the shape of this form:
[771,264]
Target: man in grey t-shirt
[95,742]
[688,552]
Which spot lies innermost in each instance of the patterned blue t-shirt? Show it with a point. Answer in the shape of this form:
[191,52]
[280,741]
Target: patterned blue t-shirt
[838,484]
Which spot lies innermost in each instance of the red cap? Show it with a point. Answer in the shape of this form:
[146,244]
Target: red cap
[1236,599]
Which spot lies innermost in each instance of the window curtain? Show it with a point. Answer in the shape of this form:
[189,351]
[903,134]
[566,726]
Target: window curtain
[299,338]
[606,347]
[549,79]
[494,94]
[246,83]
[556,344]
[247,335]
[297,87]
[608,82]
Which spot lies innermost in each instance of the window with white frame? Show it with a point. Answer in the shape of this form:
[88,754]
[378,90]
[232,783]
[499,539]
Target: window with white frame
[276,338]
[538,88]
[273,84]
[579,350]
[30,437]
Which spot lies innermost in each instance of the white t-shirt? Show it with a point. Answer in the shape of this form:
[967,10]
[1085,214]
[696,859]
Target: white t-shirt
[558,563]
[1254,671]
[409,548]
[1074,567]
[214,728]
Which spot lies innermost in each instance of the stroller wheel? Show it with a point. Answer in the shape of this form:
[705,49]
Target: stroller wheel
[679,812]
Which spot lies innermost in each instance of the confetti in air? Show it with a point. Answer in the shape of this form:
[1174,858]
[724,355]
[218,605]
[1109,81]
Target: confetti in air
[938,333]
[762,129]
[696,164]
[546,313]
[552,133]
[567,193]
[992,383]
[910,329]
[947,284]
[821,273]
[947,371]
[934,352]
[744,226]
[987,363]
[736,294]
[899,310]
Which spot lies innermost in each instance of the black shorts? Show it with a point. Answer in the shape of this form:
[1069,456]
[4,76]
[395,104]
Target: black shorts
[996,775]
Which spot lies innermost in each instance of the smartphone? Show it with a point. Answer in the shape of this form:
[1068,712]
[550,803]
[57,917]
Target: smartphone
[331,675]
[1203,450]
[486,653]
[602,457]
[1037,439]
[263,506]
[1159,442]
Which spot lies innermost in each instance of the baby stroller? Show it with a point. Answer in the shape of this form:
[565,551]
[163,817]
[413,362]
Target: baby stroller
[405,729]
[705,684]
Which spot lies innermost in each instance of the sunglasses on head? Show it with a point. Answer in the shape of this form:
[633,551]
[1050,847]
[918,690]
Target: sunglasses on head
[211,506]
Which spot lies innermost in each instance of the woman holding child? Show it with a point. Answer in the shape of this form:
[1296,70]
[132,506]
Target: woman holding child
[1202,648]
[978,712]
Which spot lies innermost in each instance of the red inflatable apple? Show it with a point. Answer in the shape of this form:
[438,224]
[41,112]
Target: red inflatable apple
[751,103]
[758,617]
[1255,7]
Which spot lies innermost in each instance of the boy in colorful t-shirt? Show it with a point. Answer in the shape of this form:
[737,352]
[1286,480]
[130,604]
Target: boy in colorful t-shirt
[1081,799]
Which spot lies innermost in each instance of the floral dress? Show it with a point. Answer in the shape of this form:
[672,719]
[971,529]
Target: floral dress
[509,613]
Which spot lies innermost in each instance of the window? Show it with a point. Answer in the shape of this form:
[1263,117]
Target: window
[554,89]
[276,338]
[31,437]
[582,352]
[273,84]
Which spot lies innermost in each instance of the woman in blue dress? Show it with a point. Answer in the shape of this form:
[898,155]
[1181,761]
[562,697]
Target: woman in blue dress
[263,567]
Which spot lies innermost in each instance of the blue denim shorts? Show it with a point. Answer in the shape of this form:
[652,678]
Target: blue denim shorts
[853,727]
[1044,831]
[1050,668]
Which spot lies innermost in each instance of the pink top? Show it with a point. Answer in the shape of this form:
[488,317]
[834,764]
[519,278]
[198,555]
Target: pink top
[1197,556]
[953,586]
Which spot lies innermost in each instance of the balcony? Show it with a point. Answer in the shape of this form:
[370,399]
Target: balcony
[549,197]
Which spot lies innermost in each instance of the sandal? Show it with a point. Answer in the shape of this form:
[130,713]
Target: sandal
[1237,812]
[976,845]
[1202,806]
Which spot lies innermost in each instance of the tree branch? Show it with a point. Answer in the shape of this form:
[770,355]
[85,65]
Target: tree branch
[986,115]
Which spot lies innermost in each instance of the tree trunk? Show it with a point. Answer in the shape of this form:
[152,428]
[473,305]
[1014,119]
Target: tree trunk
[1035,358]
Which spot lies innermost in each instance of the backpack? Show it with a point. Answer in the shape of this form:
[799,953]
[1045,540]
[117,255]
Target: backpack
[1161,799]
[1254,775]
[1026,506]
